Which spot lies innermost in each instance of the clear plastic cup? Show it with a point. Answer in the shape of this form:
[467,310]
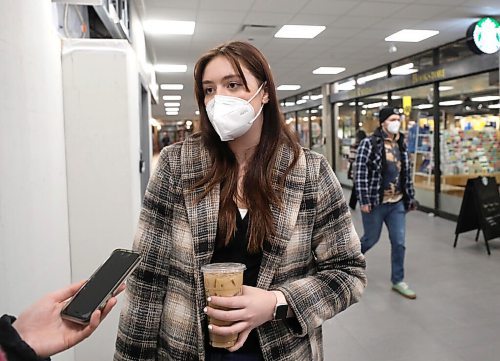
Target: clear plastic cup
[225,280]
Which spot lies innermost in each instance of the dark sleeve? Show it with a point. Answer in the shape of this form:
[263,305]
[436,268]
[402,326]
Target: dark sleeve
[13,346]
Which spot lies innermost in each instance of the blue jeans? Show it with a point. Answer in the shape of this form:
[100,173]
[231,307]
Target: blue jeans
[393,215]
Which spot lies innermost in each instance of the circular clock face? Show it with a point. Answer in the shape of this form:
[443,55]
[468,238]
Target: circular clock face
[486,35]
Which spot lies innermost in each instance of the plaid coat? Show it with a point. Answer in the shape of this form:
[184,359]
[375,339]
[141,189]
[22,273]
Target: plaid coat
[369,166]
[314,259]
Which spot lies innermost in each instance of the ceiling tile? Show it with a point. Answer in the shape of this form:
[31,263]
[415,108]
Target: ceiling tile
[376,9]
[267,18]
[329,7]
[278,6]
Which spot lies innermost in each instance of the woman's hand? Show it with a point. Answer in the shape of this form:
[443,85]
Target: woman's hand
[42,327]
[253,308]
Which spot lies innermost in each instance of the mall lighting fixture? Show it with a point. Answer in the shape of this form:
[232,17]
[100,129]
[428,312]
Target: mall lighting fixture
[197,112]
[299,31]
[367,78]
[172,104]
[171,86]
[172,113]
[289,104]
[424,106]
[404,69]
[448,103]
[172,109]
[288,87]
[316,97]
[170,68]
[354,103]
[348,85]
[411,35]
[494,106]
[328,70]
[375,105]
[169,27]
[172,97]
[444,88]
[301,101]
[487,98]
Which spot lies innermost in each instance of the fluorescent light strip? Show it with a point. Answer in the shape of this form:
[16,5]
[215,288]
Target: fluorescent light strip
[170,68]
[411,35]
[404,69]
[447,103]
[494,106]
[288,87]
[367,78]
[172,109]
[172,97]
[169,104]
[171,86]
[299,31]
[169,27]
[487,98]
[424,106]
[301,101]
[348,85]
[328,70]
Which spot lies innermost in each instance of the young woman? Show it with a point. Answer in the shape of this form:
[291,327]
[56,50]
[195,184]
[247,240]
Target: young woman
[242,190]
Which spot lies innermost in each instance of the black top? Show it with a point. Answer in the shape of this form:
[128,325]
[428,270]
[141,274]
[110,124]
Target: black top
[12,344]
[236,251]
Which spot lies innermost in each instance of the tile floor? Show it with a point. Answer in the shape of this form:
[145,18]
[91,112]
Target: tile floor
[456,316]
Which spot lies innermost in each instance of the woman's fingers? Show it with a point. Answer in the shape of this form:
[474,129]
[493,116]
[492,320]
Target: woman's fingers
[224,315]
[228,330]
[242,337]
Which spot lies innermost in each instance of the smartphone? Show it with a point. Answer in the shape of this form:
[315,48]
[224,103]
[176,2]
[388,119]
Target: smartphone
[100,286]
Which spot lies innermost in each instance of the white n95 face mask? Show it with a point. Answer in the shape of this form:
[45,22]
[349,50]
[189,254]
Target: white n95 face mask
[230,116]
[393,127]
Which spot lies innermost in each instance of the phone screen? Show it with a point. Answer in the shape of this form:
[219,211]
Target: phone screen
[105,279]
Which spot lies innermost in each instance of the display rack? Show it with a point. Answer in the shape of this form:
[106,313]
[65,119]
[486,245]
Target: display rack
[423,164]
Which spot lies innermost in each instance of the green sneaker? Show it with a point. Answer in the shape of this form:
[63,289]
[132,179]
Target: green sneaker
[403,289]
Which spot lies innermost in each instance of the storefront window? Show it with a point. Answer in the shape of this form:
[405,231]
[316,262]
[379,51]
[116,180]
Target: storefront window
[369,107]
[317,139]
[346,134]
[343,86]
[469,135]
[289,102]
[372,75]
[412,64]
[291,121]
[418,126]
[455,51]
[303,127]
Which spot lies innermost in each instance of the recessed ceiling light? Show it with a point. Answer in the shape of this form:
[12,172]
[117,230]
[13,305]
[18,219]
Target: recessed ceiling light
[411,35]
[299,31]
[288,87]
[301,101]
[169,27]
[172,97]
[172,104]
[172,113]
[494,106]
[487,98]
[170,68]
[197,112]
[289,104]
[174,109]
[328,70]
[171,86]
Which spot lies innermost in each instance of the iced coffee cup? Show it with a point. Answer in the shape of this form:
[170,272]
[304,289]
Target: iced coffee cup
[225,280]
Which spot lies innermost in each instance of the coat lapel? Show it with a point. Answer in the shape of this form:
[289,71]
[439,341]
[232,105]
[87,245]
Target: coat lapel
[284,216]
[202,215]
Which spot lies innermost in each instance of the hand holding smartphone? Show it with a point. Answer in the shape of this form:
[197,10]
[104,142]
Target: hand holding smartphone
[101,285]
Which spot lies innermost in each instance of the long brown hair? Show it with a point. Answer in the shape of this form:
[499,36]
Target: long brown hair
[259,193]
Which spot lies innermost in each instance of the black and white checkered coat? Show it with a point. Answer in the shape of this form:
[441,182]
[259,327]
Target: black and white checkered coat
[314,259]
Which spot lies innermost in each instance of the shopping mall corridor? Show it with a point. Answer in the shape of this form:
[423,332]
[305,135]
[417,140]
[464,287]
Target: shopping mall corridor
[455,316]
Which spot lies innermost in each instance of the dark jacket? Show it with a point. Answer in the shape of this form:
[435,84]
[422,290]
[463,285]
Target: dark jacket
[12,345]
[369,166]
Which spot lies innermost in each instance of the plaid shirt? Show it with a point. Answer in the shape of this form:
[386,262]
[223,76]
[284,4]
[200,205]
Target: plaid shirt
[369,165]
[314,258]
